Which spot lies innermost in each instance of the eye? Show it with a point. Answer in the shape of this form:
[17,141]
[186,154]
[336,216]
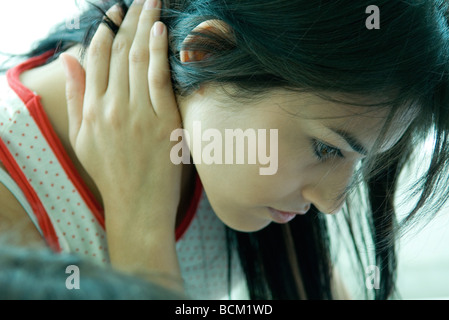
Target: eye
[324,152]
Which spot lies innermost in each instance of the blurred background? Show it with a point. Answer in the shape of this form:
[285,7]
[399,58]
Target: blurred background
[423,253]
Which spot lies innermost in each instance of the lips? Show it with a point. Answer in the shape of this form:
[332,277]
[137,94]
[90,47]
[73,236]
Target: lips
[284,216]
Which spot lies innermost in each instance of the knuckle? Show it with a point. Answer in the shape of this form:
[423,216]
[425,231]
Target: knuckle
[120,44]
[158,49]
[97,49]
[158,82]
[89,115]
[139,55]
[113,117]
[164,130]
[162,133]
[138,129]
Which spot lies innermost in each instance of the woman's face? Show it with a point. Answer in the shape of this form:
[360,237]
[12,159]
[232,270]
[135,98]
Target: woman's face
[308,161]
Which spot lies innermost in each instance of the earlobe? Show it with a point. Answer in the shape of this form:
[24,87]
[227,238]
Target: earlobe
[184,56]
[209,26]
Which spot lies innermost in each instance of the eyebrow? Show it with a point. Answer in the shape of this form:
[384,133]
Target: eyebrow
[355,144]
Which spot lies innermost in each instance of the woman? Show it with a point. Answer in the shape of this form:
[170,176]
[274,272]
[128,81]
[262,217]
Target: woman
[348,105]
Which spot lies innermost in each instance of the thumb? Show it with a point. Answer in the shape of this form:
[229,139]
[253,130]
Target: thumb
[75,89]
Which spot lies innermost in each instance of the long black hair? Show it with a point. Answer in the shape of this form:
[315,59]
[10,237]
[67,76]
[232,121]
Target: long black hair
[323,48]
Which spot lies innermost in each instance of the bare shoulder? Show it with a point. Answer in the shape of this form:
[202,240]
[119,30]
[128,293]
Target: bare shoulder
[15,225]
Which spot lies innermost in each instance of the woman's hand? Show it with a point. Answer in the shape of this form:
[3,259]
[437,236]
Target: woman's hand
[122,110]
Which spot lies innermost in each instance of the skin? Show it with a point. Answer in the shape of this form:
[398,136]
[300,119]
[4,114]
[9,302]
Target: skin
[97,120]
[242,197]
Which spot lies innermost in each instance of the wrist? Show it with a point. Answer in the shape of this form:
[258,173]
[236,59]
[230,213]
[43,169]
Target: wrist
[143,251]
[137,216]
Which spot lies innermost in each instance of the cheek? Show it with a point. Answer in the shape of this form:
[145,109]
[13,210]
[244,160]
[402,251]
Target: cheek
[241,186]
[287,168]
[277,172]
[230,182]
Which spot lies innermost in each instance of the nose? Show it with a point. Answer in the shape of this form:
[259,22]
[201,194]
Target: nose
[325,199]
[328,193]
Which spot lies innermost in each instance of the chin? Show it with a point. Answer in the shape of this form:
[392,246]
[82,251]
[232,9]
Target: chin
[246,226]
[239,218]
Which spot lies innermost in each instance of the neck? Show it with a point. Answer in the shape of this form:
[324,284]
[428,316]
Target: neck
[48,82]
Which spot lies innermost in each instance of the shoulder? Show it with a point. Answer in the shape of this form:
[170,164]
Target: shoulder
[15,224]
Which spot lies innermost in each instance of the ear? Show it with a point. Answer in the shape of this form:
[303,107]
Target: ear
[214,26]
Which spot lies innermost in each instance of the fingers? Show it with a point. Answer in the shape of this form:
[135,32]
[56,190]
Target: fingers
[75,88]
[139,56]
[119,71]
[161,89]
[132,66]
[98,57]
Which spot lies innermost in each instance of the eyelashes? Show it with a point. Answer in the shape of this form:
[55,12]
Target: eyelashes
[324,152]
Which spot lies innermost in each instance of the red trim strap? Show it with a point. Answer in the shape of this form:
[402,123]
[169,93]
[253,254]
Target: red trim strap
[32,102]
[19,177]
[185,223]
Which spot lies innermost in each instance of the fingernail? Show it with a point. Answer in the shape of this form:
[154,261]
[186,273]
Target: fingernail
[158,28]
[150,4]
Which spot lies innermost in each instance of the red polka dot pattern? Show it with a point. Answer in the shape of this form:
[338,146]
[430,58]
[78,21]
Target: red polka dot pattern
[203,256]
[64,205]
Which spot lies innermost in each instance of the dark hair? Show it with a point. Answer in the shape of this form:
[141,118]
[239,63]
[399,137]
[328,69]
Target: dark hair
[40,274]
[326,50]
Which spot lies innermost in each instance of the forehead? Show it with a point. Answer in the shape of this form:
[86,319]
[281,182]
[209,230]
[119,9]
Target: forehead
[365,123]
